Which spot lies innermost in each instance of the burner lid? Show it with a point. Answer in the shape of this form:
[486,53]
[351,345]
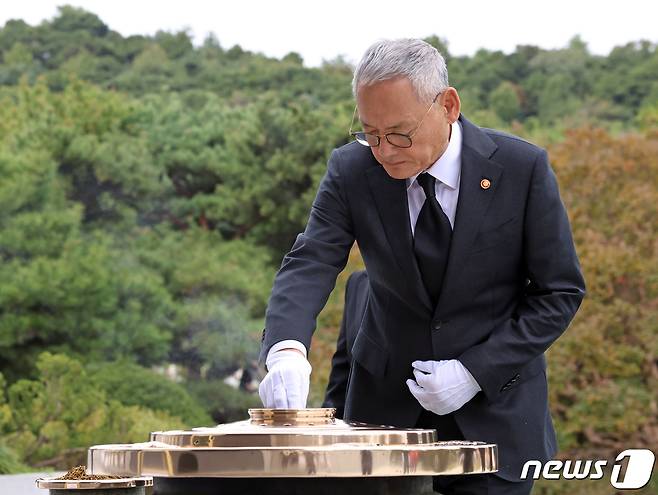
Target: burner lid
[293,443]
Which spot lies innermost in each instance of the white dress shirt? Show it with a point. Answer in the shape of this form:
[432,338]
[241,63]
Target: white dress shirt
[447,172]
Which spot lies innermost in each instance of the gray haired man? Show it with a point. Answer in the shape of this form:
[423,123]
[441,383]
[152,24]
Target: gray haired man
[472,271]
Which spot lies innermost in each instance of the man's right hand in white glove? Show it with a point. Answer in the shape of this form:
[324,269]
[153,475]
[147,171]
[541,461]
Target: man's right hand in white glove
[287,382]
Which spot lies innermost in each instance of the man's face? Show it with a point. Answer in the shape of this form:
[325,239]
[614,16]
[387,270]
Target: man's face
[392,106]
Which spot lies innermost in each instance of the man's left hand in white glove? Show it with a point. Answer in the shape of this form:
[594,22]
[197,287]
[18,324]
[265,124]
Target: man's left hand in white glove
[442,386]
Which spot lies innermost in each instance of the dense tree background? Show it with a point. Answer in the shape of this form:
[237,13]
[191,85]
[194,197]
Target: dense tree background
[150,187]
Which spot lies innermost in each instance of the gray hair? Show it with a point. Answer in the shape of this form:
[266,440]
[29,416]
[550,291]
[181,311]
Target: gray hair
[415,59]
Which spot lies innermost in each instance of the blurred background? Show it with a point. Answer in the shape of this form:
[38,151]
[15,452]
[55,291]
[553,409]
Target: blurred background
[152,178]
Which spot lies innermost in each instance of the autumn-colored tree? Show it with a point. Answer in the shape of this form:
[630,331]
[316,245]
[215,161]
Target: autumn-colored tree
[604,370]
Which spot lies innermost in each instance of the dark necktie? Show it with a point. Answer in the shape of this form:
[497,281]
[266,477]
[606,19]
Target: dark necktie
[431,239]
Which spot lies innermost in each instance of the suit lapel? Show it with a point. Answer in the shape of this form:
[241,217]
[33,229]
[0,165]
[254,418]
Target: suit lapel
[474,199]
[392,205]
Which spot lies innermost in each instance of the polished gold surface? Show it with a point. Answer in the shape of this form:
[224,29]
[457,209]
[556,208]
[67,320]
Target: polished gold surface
[289,443]
[55,484]
[442,458]
[292,417]
[248,434]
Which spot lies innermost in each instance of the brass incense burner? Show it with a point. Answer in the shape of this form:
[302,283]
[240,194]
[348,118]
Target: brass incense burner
[281,444]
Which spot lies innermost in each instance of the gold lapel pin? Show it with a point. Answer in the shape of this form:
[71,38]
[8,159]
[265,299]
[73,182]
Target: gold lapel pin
[485,183]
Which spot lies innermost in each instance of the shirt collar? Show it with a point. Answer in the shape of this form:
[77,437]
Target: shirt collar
[448,167]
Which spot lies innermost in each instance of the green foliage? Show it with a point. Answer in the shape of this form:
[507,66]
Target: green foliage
[9,462]
[505,101]
[72,19]
[63,410]
[5,410]
[557,97]
[70,286]
[648,117]
[215,338]
[224,403]
[248,171]
[196,263]
[89,171]
[551,84]
[133,385]
[90,301]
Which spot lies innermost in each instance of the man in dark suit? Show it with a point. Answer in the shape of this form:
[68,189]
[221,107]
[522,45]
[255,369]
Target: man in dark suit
[471,266]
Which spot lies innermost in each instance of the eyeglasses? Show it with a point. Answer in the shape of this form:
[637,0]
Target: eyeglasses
[394,138]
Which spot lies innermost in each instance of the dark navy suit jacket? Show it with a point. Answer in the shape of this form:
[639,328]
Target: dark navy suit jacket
[511,287]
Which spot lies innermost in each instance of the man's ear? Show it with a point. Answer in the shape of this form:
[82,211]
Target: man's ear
[452,104]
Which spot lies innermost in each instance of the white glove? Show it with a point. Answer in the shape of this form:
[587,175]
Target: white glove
[287,382]
[442,386]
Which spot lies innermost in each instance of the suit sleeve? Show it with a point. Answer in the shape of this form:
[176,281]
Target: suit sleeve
[553,294]
[308,272]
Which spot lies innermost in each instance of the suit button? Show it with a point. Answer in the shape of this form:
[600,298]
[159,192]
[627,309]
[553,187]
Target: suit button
[437,325]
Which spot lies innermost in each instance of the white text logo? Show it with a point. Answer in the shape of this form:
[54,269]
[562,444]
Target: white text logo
[639,466]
